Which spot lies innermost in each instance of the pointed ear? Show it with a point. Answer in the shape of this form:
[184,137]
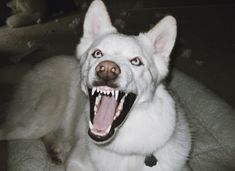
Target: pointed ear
[163,36]
[97,21]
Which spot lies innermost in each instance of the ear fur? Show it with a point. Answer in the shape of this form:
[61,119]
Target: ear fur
[97,20]
[97,23]
[163,36]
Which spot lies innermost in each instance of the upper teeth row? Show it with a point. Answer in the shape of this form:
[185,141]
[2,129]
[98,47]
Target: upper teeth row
[107,92]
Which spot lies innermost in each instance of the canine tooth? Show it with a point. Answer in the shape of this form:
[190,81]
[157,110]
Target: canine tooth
[108,92]
[90,125]
[116,94]
[93,90]
[95,109]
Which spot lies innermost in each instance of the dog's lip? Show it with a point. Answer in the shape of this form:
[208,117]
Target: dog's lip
[124,102]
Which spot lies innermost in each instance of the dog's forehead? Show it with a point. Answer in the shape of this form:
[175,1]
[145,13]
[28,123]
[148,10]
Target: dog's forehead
[119,44]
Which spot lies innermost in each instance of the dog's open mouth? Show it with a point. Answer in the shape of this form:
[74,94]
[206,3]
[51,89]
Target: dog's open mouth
[108,109]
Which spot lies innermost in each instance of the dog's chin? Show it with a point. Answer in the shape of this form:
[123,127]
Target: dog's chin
[109,107]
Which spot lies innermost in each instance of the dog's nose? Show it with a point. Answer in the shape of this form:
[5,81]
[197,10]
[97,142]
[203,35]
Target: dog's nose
[107,70]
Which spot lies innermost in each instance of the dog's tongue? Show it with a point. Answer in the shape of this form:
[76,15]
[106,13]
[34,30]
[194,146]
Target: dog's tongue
[105,113]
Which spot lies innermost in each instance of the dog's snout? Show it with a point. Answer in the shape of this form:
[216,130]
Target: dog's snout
[107,70]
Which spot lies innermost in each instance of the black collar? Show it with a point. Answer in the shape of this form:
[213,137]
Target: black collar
[150,160]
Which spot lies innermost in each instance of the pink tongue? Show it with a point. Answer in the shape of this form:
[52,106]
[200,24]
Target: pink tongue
[105,114]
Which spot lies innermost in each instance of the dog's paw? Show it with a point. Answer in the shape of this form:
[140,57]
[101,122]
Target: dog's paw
[54,148]
[56,153]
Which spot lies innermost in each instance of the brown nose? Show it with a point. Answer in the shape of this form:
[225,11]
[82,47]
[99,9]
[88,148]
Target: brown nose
[107,70]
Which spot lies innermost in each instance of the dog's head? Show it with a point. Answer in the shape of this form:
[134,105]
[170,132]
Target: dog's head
[119,71]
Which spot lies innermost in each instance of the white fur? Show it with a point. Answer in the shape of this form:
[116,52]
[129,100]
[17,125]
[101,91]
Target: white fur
[152,126]
[44,100]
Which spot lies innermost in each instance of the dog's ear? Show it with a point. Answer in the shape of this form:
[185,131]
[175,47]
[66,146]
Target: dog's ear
[97,22]
[163,36]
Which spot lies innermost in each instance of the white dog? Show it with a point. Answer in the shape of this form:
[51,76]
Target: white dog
[129,122]
[133,125]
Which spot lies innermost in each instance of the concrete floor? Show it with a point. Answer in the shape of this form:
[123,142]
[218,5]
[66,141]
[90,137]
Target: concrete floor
[205,46]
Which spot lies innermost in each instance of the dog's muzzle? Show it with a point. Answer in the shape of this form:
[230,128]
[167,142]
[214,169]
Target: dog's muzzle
[109,106]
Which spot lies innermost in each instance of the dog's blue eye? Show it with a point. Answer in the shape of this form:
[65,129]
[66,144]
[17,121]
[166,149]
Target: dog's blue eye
[97,53]
[136,61]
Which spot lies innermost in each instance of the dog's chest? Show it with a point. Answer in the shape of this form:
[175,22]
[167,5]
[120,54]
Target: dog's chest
[106,161]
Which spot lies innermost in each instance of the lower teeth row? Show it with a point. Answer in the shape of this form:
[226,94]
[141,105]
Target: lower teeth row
[98,133]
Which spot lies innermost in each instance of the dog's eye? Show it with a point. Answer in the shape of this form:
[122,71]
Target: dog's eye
[136,61]
[97,53]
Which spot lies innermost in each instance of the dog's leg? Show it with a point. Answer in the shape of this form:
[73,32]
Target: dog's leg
[54,147]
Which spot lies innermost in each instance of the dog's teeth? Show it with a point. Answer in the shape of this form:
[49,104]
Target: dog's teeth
[95,109]
[97,100]
[120,106]
[90,125]
[112,92]
[122,100]
[117,114]
[108,92]
[93,90]
[105,92]
[107,130]
[116,94]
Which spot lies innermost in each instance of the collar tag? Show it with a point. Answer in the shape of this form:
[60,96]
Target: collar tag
[150,160]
